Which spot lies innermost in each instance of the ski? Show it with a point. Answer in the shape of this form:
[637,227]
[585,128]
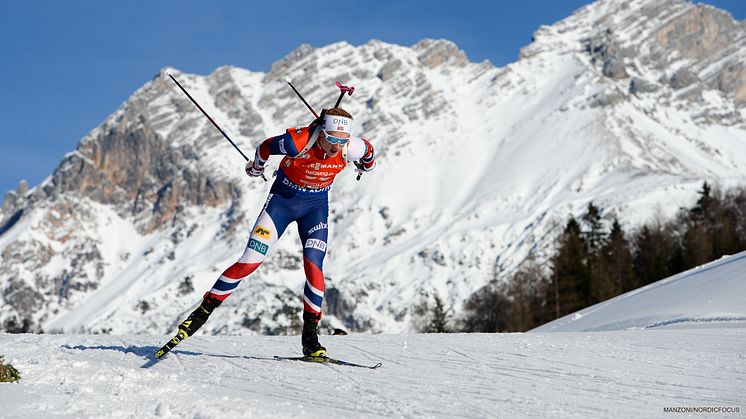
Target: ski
[326,360]
[180,335]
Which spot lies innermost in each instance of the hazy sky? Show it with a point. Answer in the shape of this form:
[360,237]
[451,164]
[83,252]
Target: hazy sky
[66,65]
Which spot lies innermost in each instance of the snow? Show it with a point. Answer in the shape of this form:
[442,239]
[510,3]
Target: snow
[636,364]
[602,374]
[712,293]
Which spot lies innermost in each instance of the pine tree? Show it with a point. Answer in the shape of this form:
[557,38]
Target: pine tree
[620,269]
[487,310]
[701,233]
[526,294]
[594,236]
[704,208]
[737,207]
[570,287]
[720,222]
[697,246]
[653,250]
[735,202]
[439,318]
[595,239]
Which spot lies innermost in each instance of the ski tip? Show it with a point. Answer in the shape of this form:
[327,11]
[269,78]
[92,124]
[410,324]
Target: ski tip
[288,80]
[326,360]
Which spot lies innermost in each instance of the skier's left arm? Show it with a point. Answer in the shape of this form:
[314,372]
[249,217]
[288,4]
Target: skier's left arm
[362,153]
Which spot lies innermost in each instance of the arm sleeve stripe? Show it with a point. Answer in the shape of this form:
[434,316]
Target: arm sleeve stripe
[278,145]
[370,154]
[263,151]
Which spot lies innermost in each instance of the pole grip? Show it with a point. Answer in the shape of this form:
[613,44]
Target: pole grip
[343,89]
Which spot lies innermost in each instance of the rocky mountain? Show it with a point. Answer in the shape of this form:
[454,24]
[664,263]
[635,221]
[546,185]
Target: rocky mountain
[629,103]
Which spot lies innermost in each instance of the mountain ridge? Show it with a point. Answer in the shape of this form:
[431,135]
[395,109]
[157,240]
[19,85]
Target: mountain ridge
[475,164]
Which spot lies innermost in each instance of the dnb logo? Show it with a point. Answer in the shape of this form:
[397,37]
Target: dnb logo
[258,246]
[316,244]
[340,123]
[262,232]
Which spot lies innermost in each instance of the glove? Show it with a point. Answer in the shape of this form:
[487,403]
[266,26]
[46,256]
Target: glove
[253,170]
[361,167]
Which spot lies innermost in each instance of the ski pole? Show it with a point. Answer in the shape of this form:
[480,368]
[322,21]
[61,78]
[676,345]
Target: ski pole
[301,98]
[359,170]
[211,120]
[344,89]
[349,90]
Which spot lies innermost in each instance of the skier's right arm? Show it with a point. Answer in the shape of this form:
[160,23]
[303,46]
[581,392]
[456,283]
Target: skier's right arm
[278,145]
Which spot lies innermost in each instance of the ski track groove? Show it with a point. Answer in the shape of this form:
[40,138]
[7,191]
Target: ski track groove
[474,366]
[290,388]
[236,361]
[371,391]
[284,383]
[179,362]
[376,356]
[483,413]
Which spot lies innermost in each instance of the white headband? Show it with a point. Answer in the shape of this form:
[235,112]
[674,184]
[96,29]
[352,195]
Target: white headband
[337,123]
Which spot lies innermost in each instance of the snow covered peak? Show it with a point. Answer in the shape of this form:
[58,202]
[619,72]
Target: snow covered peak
[436,52]
[280,68]
[674,42]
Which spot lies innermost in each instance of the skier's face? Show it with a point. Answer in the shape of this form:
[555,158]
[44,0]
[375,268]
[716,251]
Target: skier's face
[332,148]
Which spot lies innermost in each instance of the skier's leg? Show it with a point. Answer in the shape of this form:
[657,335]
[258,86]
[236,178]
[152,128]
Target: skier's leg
[268,228]
[313,229]
[272,222]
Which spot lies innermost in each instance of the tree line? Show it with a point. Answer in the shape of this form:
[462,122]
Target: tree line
[596,259]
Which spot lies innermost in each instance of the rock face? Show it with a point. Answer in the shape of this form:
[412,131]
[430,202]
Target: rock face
[141,175]
[698,33]
[605,51]
[626,103]
[434,53]
[703,36]
[689,43]
[13,205]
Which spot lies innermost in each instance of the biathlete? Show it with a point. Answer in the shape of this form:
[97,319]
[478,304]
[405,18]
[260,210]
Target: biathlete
[313,156]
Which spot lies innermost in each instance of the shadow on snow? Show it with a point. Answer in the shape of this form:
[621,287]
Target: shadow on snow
[148,352]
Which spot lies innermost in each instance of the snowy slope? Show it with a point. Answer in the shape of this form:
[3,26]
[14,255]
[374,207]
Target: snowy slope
[610,373]
[590,375]
[477,166]
[706,296]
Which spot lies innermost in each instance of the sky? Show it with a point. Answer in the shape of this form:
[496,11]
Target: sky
[67,65]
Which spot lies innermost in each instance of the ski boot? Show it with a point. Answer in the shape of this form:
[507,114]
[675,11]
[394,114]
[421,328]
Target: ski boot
[190,325]
[309,338]
[198,316]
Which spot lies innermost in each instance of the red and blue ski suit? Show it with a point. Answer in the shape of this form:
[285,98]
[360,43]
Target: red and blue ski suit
[299,193]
